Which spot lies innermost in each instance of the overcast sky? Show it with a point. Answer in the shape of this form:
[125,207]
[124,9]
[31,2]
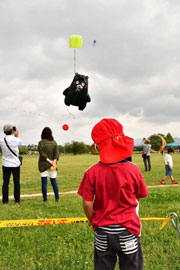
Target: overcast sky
[134,68]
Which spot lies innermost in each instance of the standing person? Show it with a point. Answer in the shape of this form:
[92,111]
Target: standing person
[146,154]
[110,190]
[162,150]
[10,162]
[48,156]
[169,167]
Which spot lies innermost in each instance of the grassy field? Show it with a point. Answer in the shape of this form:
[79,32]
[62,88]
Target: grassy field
[71,246]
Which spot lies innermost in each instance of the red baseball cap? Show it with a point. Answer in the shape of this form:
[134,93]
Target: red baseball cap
[113,145]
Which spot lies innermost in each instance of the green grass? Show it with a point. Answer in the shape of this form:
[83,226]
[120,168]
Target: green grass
[71,246]
[71,169]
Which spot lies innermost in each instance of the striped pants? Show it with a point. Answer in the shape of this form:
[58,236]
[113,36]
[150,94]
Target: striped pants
[111,244]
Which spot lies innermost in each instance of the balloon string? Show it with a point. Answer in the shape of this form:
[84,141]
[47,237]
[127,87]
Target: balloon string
[36,114]
[74,61]
[70,113]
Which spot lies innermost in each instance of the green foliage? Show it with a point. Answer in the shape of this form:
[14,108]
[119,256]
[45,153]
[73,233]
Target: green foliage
[23,150]
[61,149]
[34,149]
[79,148]
[169,138]
[76,148]
[68,148]
[156,142]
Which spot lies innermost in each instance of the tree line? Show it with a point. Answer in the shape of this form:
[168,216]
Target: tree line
[76,147]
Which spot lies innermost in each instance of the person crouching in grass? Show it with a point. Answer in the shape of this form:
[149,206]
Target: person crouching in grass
[169,167]
[110,190]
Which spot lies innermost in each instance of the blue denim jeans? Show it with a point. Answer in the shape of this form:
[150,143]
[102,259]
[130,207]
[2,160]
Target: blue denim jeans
[169,171]
[44,188]
[147,161]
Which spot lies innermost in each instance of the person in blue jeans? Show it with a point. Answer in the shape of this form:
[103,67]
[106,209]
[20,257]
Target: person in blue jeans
[47,164]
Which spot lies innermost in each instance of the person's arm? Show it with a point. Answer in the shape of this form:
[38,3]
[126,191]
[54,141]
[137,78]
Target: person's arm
[41,151]
[170,167]
[54,162]
[141,189]
[16,134]
[50,161]
[56,154]
[88,210]
[43,154]
[143,140]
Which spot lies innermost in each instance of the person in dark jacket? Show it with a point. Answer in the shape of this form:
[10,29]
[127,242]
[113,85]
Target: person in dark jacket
[48,156]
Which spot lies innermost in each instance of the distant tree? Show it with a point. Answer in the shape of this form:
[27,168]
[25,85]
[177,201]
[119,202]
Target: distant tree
[76,148]
[88,147]
[23,150]
[34,149]
[156,142]
[68,148]
[169,138]
[79,148]
[61,148]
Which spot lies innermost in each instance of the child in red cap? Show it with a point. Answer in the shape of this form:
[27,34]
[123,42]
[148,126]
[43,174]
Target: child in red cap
[111,190]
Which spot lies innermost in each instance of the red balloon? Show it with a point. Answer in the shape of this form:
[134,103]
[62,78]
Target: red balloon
[65,127]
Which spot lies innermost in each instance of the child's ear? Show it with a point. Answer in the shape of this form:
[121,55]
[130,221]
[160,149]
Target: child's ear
[94,148]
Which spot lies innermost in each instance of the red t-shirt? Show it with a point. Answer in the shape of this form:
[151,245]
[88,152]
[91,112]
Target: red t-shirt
[114,189]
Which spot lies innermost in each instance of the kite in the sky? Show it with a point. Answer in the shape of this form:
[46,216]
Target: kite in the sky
[75,42]
[94,43]
[77,93]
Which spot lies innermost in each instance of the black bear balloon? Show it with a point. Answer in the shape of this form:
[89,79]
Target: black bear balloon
[77,93]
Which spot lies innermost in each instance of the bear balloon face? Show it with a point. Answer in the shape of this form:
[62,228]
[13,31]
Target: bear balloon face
[80,84]
[77,93]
